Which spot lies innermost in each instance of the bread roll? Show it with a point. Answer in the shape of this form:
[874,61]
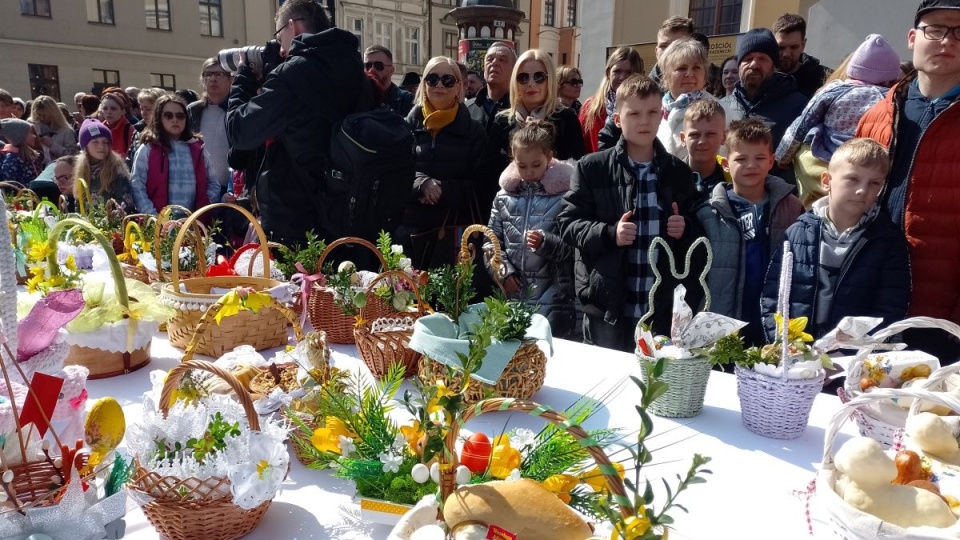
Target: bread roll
[522,507]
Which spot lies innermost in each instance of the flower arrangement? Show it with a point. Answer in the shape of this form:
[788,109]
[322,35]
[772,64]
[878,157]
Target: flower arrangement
[348,284]
[301,259]
[804,359]
[188,261]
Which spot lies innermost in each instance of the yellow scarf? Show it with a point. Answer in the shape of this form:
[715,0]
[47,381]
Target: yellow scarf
[434,120]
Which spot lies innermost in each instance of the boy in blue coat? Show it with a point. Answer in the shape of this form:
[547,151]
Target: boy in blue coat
[745,221]
[848,256]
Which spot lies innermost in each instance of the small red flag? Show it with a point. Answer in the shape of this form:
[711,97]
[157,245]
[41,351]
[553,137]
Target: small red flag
[46,390]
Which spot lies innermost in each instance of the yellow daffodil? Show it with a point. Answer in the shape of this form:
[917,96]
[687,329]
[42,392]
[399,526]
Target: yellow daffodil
[595,479]
[412,433]
[71,263]
[38,271]
[38,251]
[242,298]
[561,484]
[795,330]
[327,438]
[56,281]
[504,458]
[633,527]
[434,406]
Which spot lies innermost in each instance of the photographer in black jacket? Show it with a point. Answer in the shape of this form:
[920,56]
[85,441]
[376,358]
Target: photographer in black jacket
[298,104]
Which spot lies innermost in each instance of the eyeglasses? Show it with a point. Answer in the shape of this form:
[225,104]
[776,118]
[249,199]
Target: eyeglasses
[937,32]
[214,75]
[63,177]
[448,81]
[167,115]
[379,66]
[276,35]
[538,77]
[575,82]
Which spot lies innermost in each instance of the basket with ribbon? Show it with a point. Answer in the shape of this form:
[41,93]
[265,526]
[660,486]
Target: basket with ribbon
[192,260]
[134,243]
[327,308]
[385,340]
[192,297]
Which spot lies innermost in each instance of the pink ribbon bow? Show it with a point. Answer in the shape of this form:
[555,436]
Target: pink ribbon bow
[306,281]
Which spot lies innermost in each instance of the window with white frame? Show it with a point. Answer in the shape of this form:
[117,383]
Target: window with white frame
[451,44]
[411,42]
[572,12]
[549,12]
[383,34]
[356,26]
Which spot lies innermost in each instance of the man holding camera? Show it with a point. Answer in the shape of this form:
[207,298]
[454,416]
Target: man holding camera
[317,82]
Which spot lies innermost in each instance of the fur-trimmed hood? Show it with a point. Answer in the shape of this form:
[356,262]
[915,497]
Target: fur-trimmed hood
[555,180]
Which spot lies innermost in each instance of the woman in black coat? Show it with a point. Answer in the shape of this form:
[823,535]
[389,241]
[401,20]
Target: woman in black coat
[449,149]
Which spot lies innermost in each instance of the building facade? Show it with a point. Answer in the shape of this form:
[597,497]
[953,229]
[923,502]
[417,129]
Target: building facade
[557,24]
[60,47]
[399,25]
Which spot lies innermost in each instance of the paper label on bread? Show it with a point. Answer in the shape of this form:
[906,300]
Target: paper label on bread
[499,533]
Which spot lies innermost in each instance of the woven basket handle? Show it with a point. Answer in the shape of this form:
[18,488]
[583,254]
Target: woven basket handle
[421,307]
[348,240]
[449,459]
[177,373]
[496,261]
[211,314]
[197,234]
[658,279]
[112,206]
[48,204]
[23,193]
[188,224]
[856,366]
[70,223]
[131,227]
[880,394]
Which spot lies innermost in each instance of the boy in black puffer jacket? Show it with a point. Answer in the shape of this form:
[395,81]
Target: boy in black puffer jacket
[620,200]
[849,259]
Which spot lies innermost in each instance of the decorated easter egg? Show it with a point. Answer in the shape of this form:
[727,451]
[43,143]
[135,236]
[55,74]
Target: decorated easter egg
[476,453]
[104,428]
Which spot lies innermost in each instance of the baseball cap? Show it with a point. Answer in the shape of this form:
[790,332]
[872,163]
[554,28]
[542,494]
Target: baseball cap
[932,5]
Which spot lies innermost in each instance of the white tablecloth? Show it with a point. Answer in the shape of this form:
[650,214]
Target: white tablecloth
[750,495]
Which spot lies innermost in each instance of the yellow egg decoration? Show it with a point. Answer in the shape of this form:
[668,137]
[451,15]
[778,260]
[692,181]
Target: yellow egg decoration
[104,429]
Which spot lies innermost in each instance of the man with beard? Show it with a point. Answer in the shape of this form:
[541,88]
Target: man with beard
[475,83]
[791,33]
[378,62]
[764,93]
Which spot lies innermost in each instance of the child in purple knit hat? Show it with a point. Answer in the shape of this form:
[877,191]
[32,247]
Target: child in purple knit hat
[831,117]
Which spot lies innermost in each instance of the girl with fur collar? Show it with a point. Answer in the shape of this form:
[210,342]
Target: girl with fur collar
[538,264]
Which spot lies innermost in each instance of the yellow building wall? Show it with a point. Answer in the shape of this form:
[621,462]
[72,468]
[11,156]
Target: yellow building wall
[766,12]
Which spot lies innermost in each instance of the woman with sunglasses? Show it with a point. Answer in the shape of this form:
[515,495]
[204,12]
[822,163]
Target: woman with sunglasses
[172,167]
[623,63]
[449,151]
[533,96]
[571,84]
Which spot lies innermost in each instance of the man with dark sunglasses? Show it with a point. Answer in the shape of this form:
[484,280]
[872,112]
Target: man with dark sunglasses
[292,113]
[378,62]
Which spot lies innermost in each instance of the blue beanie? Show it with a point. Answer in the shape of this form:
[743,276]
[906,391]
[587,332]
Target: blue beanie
[759,40]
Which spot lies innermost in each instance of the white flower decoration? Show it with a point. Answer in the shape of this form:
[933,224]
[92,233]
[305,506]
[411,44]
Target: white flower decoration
[391,463]
[396,249]
[256,481]
[346,445]
[405,264]
[522,438]
[399,442]
[514,475]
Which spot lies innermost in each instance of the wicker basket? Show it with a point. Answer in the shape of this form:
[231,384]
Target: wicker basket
[449,459]
[381,349]
[209,316]
[778,407]
[323,310]
[130,267]
[197,233]
[189,508]
[885,424]
[138,335]
[525,372]
[192,297]
[850,523]
[686,378]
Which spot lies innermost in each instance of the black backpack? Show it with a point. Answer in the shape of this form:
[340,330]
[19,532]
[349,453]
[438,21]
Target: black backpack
[372,158]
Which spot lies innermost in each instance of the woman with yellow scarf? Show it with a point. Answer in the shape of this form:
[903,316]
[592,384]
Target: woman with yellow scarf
[449,150]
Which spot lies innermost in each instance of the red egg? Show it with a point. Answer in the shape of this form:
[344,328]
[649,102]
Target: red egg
[476,453]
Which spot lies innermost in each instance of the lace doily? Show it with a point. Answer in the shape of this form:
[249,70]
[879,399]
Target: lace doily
[391,324]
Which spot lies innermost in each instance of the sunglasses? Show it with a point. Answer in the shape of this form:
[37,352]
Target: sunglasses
[575,82]
[538,77]
[379,66]
[448,81]
[214,75]
[171,115]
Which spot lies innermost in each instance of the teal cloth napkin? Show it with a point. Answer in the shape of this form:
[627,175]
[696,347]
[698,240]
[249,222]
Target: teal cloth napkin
[437,337]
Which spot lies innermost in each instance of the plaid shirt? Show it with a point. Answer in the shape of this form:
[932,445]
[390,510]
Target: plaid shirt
[646,214]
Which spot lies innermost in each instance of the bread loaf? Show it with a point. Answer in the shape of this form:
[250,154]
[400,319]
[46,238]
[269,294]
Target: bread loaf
[522,507]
